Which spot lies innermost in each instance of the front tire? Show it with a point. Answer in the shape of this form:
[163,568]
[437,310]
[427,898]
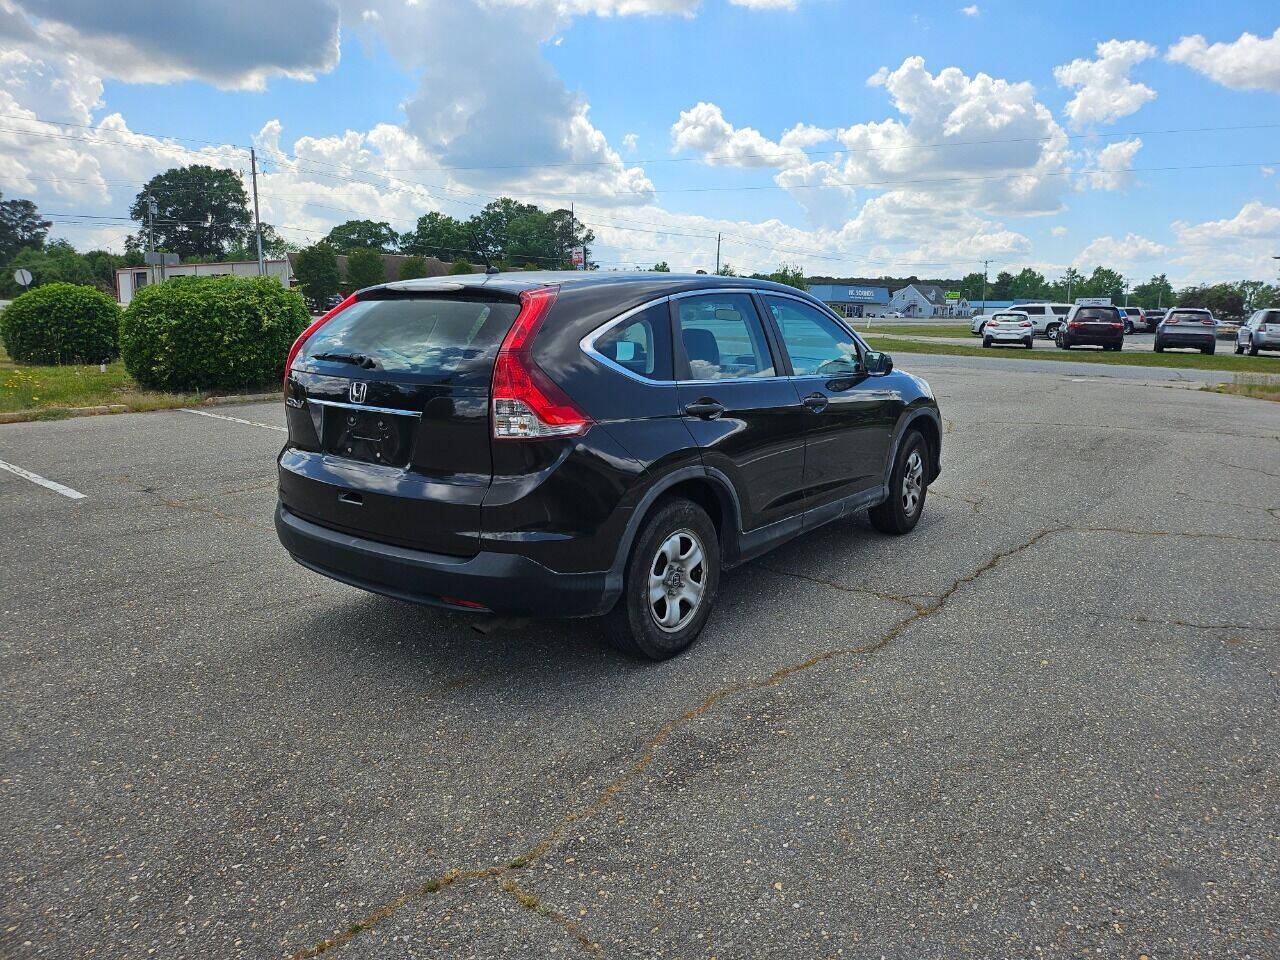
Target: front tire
[1159,347]
[986,341]
[670,583]
[908,486]
[1239,348]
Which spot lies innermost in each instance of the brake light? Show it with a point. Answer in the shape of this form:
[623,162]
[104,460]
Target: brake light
[527,404]
[1117,326]
[1024,323]
[1171,320]
[1074,325]
[1208,323]
[306,335]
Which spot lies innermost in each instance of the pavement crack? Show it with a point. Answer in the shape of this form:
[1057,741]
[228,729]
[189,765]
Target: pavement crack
[1190,534]
[1207,626]
[972,504]
[533,904]
[845,588]
[1241,466]
[649,753]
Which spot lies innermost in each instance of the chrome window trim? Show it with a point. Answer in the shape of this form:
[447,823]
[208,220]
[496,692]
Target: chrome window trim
[369,409]
[587,343]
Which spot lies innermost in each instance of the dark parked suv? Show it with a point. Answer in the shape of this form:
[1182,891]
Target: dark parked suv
[580,444]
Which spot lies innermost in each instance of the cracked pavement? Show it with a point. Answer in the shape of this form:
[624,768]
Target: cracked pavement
[1045,723]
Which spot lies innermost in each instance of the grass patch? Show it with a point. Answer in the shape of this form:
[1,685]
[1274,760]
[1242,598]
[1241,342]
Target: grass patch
[49,392]
[1244,385]
[1187,361]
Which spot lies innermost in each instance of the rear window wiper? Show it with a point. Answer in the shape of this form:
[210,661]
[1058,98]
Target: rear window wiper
[359,359]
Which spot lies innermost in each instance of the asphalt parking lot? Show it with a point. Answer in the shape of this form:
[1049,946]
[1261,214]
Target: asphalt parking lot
[1046,723]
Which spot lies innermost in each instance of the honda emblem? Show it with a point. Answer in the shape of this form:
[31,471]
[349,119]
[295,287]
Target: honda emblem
[359,390]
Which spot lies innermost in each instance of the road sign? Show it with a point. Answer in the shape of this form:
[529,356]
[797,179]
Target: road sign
[22,277]
[579,258]
[159,259]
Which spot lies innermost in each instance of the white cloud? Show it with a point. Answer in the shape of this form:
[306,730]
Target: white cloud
[1104,92]
[1248,63]
[1119,254]
[704,129]
[766,4]
[630,141]
[1110,168]
[1059,231]
[971,10]
[230,43]
[1234,248]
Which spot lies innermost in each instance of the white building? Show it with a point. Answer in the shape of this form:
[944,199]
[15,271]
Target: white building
[129,280]
[927,300]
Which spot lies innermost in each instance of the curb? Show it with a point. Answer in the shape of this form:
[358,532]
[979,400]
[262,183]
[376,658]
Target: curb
[26,416]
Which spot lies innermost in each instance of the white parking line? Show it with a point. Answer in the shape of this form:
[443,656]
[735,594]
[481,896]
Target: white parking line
[247,423]
[48,484]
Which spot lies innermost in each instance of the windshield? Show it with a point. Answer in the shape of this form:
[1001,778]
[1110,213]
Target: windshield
[1189,316]
[1098,314]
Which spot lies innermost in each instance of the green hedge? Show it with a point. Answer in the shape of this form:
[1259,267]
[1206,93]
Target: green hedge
[61,323]
[203,333]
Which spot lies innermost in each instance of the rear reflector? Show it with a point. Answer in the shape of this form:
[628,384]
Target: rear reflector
[527,404]
[468,604]
[306,334]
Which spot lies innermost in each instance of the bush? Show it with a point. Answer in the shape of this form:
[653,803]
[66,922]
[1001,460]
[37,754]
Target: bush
[192,333]
[460,266]
[61,323]
[318,274]
[412,267]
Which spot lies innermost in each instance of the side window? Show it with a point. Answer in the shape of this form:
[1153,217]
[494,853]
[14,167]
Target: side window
[816,344]
[641,345]
[1032,311]
[723,338]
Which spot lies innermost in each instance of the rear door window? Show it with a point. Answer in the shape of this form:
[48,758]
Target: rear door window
[1032,311]
[722,338]
[641,344]
[415,337]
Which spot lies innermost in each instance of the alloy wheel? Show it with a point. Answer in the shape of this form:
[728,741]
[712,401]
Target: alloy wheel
[912,484]
[677,581]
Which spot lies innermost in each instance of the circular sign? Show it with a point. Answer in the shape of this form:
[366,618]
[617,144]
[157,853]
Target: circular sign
[22,277]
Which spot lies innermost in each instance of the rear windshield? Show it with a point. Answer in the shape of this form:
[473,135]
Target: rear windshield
[1189,316]
[1104,314]
[427,336]
[1008,317]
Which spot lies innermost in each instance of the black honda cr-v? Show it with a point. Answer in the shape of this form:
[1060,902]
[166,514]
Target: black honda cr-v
[580,444]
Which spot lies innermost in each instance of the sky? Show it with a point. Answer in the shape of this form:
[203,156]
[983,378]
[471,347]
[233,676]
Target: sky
[851,139]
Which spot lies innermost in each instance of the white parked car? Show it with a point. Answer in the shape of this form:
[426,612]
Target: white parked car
[1045,317]
[1261,332]
[1008,326]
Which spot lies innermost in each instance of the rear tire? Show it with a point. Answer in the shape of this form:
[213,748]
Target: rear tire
[1159,347]
[986,341]
[1051,331]
[908,485]
[1253,349]
[1128,329]
[1208,351]
[1239,349]
[670,582]
[1027,343]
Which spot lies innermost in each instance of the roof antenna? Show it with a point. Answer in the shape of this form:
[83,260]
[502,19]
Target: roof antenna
[489,268]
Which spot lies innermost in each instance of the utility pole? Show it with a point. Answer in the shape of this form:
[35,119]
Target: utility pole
[257,224]
[152,209]
[985,265]
[717,254]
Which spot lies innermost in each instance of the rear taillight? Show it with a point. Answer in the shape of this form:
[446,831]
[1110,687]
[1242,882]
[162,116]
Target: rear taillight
[1117,326]
[527,404]
[1074,325]
[305,335]
[1208,323]
[1171,320]
[1024,323]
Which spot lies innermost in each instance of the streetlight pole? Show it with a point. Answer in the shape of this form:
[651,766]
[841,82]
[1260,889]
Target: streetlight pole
[985,265]
[257,224]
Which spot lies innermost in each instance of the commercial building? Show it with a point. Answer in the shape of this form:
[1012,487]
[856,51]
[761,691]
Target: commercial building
[852,301]
[129,280]
[928,300]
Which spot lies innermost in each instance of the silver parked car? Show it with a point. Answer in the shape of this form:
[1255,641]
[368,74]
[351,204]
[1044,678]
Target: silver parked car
[1008,326]
[1187,327]
[1260,332]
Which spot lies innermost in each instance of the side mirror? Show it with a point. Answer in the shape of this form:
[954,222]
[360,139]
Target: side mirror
[878,364]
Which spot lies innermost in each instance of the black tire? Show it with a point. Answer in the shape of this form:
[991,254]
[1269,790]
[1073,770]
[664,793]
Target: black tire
[895,515]
[1253,349]
[1119,347]
[633,626]
[1128,328]
[1051,331]
[1239,348]
[986,341]
[1159,347]
[1208,351]
[1027,343]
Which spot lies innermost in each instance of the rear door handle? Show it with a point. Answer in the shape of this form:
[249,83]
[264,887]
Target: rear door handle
[706,408]
[816,402]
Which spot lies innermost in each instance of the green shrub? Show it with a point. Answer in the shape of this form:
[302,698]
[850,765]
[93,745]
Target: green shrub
[460,266]
[365,269]
[61,323]
[196,333]
[412,267]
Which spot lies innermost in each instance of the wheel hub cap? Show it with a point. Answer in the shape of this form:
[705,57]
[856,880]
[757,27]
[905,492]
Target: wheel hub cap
[912,483]
[677,581]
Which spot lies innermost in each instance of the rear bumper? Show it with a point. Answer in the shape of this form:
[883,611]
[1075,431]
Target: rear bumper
[501,582]
[1081,339]
[1200,340]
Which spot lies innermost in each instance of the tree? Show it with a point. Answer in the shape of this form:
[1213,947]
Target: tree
[1222,299]
[1002,287]
[318,275]
[200,211]
[413,267]
[1156,292]
[973,286]
[507,231]
[365,268]
[20,226]
[437,235]
[1103,282]
[460,266]
[661,267]
[787,273]
[1257,294]
[57,262]
[726,270]
[1028,285]
[363,234]
[1067,288]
